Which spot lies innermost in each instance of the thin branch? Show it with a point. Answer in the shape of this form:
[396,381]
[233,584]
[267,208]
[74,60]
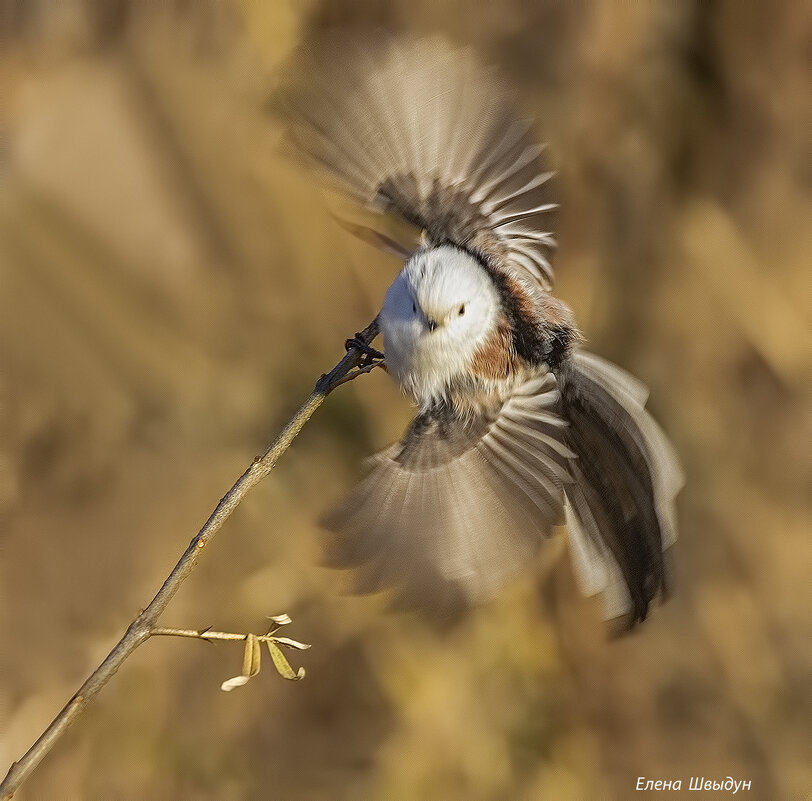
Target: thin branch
[143,627]
[199,635]
[212,635]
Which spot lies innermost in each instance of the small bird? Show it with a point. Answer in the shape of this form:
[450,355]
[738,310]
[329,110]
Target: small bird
[517,427]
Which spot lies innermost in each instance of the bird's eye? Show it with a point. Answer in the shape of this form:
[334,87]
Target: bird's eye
[462,310]
[414,308]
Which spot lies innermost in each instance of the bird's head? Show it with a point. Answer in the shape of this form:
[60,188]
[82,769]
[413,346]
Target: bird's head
[441,308]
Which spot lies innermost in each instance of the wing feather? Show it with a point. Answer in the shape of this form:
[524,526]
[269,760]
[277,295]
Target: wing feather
[448,514]
[420,129]
[620,508]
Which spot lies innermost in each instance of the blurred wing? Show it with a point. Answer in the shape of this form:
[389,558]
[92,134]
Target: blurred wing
[620,509]
[460,504]
[419,129]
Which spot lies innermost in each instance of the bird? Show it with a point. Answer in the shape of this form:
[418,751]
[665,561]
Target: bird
[517,428]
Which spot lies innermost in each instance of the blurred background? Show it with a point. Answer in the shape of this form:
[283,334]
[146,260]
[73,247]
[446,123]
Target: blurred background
[170,288]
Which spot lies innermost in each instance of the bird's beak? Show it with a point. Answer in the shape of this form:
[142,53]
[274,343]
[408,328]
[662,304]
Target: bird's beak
[429,322]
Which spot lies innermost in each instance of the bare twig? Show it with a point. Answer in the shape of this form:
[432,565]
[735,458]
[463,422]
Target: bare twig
[143,627]
[212,635]
[200,635]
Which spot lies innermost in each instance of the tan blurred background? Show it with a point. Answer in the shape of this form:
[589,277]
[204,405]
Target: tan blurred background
[169,290]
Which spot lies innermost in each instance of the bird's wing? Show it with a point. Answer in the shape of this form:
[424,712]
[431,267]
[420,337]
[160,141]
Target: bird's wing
[447,514]
[621,508]
[419,129]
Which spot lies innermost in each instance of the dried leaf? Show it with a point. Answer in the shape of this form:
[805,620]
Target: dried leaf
[280,620]
[301,646]
[282,665]
[230,684]
[251,656]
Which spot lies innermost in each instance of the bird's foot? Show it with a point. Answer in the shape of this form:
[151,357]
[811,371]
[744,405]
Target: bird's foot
[370,354]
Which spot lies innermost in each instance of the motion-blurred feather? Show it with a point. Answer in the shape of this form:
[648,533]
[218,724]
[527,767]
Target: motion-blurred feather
[420,129]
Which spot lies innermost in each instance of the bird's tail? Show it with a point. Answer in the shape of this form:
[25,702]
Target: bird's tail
[620,508]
